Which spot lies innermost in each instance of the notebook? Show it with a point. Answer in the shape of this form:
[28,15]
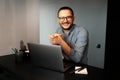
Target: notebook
[48,56]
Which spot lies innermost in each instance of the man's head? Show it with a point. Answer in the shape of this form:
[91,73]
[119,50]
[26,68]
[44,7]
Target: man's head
[65,17]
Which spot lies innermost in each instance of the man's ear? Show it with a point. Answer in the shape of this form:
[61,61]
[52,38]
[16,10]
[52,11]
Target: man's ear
[73,18]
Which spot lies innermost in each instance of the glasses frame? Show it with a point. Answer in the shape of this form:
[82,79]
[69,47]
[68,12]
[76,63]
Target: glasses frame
[67,18]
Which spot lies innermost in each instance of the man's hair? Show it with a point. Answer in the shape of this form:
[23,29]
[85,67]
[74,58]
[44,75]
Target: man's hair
[65,8]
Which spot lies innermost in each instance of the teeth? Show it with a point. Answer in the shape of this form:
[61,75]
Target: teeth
[65,24]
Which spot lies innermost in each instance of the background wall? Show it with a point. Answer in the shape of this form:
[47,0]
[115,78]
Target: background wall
[90,14]
[19,20]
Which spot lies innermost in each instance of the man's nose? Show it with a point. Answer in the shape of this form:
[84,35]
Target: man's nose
[65,20]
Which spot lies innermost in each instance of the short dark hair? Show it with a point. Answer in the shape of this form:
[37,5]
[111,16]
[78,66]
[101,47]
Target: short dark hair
[64,8]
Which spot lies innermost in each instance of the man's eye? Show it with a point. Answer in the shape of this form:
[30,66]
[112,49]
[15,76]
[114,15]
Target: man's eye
[61,17]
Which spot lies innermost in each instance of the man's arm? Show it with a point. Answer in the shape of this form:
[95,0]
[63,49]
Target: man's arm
[56,39]
[74,53]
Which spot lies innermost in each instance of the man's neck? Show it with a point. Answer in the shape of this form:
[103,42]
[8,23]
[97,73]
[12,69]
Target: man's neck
[66,31]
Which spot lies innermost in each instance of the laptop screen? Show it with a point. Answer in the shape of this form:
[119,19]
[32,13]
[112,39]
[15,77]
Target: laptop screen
[46,56]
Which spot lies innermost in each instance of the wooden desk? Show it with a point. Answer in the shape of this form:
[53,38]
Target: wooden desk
[24,70]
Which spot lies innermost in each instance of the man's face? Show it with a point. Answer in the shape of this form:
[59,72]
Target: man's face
[65,19]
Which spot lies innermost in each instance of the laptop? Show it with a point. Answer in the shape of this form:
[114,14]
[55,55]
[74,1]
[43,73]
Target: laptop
[48,56]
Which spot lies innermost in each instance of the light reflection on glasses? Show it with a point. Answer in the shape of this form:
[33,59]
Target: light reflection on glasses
[68,18]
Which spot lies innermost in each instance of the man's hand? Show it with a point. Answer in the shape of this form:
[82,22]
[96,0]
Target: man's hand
[55,39]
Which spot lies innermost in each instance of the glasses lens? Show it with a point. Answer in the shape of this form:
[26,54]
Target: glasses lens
[63,18]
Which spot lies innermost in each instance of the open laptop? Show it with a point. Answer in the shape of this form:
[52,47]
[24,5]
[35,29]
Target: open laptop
[48,56]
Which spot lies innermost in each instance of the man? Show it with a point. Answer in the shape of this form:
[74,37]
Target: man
[72,38]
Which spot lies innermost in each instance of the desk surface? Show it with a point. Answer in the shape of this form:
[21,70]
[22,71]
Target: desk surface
[26,71]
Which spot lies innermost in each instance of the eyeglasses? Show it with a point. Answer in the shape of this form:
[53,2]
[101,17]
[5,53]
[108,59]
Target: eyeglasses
[68,18]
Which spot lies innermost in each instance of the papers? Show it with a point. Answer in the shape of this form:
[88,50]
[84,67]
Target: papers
[80,70]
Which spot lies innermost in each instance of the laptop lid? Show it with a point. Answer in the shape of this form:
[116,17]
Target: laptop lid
[46,56]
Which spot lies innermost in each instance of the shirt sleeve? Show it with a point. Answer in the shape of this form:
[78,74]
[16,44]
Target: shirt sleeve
[79,49]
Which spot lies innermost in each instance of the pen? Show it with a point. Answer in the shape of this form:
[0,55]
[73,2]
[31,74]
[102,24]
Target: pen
[78,69]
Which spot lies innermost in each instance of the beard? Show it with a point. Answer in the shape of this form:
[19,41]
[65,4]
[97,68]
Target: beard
[67,28]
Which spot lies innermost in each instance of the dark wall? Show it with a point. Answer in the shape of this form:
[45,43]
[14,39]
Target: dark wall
[112,41]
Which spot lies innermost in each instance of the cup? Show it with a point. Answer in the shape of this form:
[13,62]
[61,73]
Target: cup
[19,57]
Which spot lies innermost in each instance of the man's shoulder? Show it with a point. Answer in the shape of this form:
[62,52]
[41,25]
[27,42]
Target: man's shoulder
[79,28]
[81,31]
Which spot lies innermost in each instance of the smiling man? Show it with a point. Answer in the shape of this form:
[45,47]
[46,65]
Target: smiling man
[73,39]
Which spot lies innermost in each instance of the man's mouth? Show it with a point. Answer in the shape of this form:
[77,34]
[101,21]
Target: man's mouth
[65,24]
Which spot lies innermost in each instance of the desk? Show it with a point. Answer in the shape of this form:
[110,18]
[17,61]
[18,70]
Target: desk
[26,71]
